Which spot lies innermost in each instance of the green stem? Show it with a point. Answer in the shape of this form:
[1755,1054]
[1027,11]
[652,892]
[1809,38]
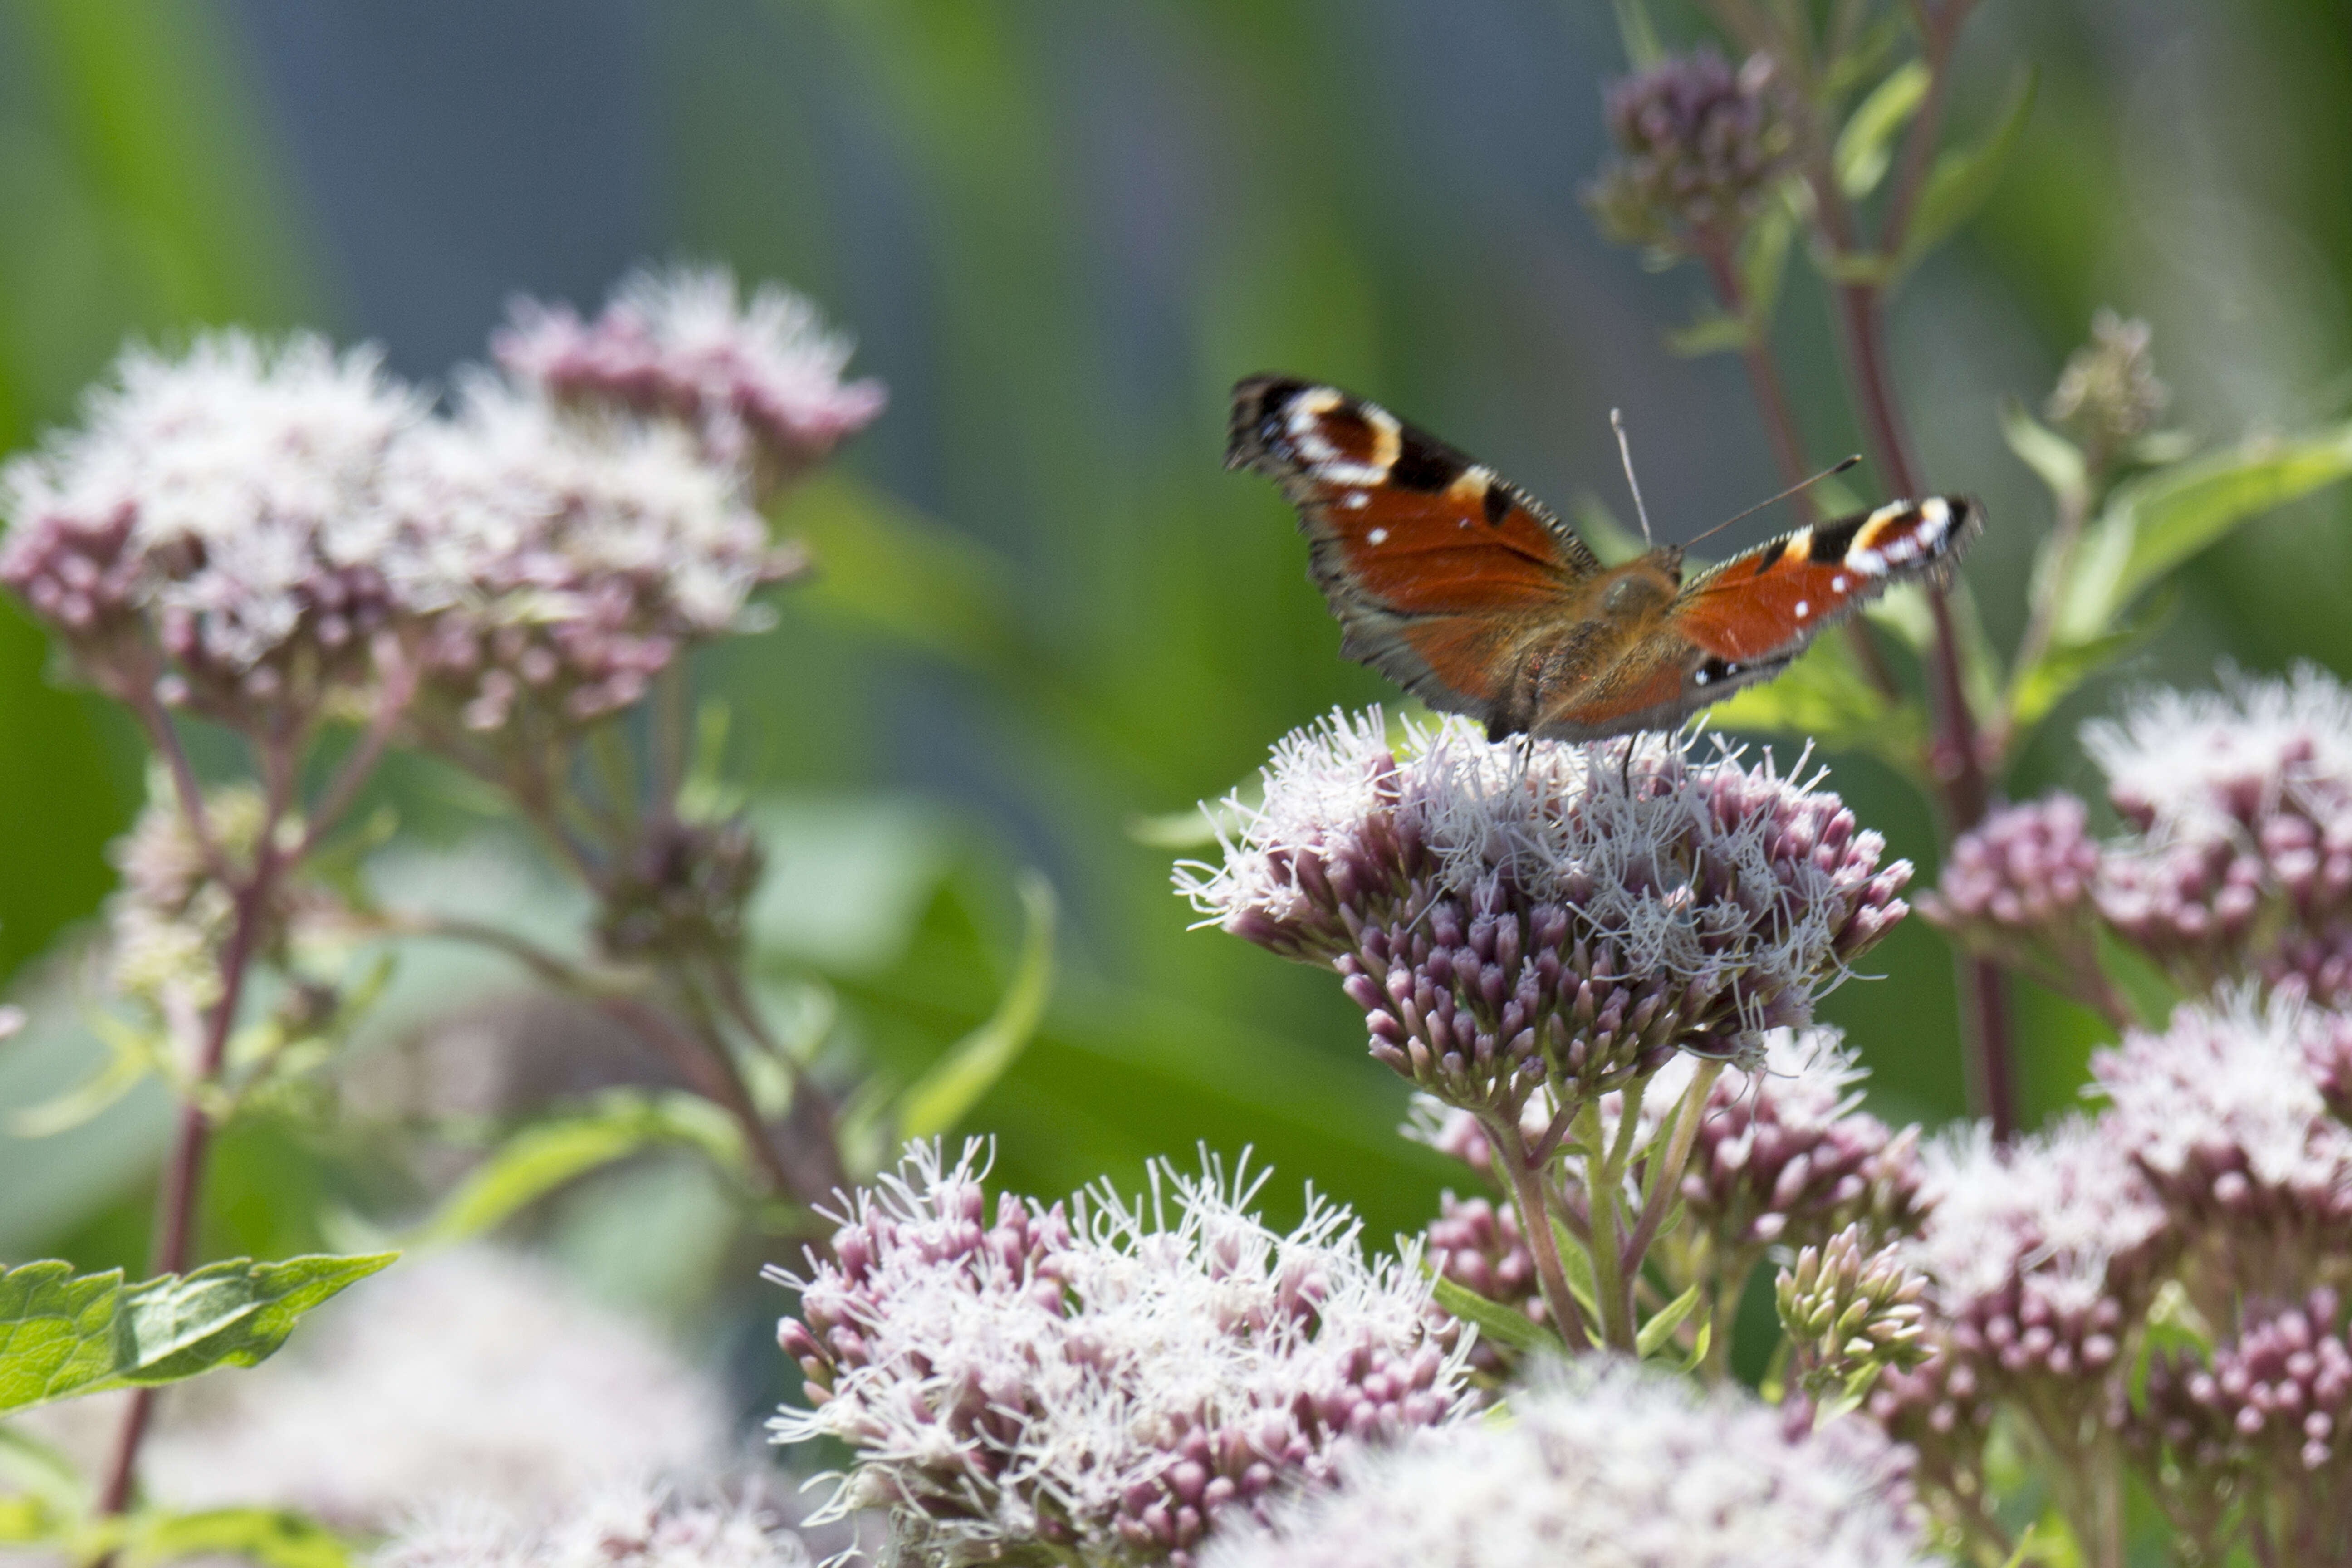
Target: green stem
[1509,1148]
[1600,1186]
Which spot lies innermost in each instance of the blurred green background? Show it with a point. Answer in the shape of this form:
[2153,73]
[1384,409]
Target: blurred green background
[1061,231]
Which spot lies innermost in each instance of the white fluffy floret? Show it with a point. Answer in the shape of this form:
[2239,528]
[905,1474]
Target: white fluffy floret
[1683,860]
[2063,1204]
[1602,1462]
[2228,1090]
[573,554]
[470,1375]
[625,1525]
[2194,763]
[246,470]
[1111,1377]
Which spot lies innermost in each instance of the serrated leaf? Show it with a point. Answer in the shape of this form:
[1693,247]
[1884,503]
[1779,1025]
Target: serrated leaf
[2155,523]
[1712,332]
[2057,461]
[1963,178]
[546,1154]
[1865,147]
[1492,1320]
[942,1096]
[1660,1330]
[64,1334]
[274,1538]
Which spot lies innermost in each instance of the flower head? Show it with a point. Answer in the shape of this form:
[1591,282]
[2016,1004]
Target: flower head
[471,1374]
[571,557]
[629,1525]
[2225,1114]
[2276,1398]
[2024,869]
[759,380]
[1509,914]
[1603,1462]
[1698,146]
[2040,1251]
[1098,1376]
[2108,396]
[1844,1309]
[207,530]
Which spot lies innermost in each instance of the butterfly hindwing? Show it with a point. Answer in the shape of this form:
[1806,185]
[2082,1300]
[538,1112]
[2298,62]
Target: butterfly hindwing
[1434,564]
[1762,607]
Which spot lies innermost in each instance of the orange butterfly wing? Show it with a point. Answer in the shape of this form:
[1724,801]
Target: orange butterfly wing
[1436,565]
[1758,610]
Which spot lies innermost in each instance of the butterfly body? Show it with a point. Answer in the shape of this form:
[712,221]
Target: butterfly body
[1464,590]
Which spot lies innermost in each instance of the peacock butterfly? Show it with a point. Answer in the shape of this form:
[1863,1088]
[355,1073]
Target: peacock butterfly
[1466,591]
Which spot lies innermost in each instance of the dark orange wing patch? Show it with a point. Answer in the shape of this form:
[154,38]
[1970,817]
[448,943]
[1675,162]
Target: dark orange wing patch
[1433,563]
[1766,604]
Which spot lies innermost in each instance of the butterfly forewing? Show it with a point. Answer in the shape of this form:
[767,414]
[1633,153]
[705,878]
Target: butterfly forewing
[1434,564]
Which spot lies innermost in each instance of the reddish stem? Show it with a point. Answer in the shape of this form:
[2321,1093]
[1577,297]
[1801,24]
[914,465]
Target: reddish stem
[183,1173]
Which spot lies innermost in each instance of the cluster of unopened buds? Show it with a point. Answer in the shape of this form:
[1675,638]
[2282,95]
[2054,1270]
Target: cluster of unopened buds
[2286,1384]
[1698,146]
[2235,861]
[1845,1309]
[1514,916]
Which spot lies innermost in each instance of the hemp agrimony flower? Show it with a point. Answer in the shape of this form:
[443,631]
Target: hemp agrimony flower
[632,1525]
[571,558]
[1514,914]
[1602,1462]
[471,1374]
[759,380]
[1099,1378]
[1846,1310]
[208,534]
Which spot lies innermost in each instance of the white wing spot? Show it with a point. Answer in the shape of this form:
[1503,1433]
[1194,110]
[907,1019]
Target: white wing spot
[1357,502]
[1837,583]
[1378,535]
[1803,609]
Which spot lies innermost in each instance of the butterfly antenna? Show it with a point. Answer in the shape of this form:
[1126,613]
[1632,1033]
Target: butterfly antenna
[1625,454]
[1833,468]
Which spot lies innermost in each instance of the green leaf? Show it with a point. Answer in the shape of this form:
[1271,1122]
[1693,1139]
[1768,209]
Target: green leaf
[2067,665]
[1703,1342]
[2154,524]
[2058,461]
[275,1538]
[1643,49]
[1576,1264]
[942,1096]
[1659,1331]
[1764,263]
[1712,332]
[1963,178]
[1825,696]
[63,1334]
[127,1066]
[1864,147]
[1492,1320]
[547,1155]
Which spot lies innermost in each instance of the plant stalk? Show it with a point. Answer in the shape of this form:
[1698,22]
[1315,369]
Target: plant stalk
[1506,1143]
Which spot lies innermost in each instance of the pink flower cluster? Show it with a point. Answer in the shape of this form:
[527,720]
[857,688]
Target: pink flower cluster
[1086,1376]
[757,378]
[1511,915]
[268,531]
[2236,861]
